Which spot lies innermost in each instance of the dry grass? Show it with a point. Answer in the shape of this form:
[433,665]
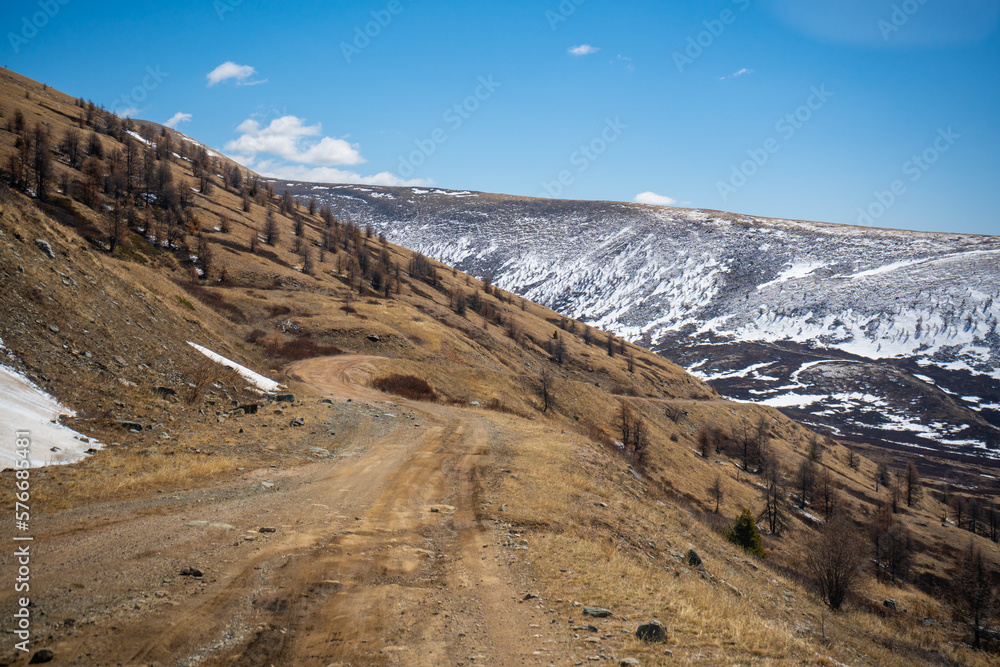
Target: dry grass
[599,536]
[562,464]
[123,475]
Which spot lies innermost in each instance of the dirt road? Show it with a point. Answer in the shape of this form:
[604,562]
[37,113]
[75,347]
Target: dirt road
[377,559]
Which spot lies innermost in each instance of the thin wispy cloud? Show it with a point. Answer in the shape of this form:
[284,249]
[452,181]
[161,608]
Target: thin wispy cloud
[230,70]
[582,50]
[654,199]
[177,119]
[625,60]
[737,74]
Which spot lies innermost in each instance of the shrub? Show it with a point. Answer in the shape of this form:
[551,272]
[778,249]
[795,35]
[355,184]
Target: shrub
[256,336]
[278,310]
[496,405]
[212,300]
[299,348]
[745,534]
[835,558]
[407,386]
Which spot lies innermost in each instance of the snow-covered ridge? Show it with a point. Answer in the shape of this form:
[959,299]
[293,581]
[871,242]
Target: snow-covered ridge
[671,278]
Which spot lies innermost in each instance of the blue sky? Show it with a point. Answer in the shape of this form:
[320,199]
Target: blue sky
[876,112]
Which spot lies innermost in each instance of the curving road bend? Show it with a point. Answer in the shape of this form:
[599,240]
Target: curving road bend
[380,560]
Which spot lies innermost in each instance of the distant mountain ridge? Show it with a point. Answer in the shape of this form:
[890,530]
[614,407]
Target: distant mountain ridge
[874,333]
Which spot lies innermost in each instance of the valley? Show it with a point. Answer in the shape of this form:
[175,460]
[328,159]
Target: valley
[311,444]
[748,304]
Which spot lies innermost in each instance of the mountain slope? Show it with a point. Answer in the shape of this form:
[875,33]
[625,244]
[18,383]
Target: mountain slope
[536,465]
[875,334]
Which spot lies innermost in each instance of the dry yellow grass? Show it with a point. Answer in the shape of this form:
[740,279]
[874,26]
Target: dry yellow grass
[599,536]
[125,475]
[621,555]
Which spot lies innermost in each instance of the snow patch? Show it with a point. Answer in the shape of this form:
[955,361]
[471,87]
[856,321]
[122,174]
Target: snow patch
[139,137]
[792,400]
[26,407]
[258,380]
[793,271]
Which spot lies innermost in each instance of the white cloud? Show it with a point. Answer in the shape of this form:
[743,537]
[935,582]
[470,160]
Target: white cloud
[654,199]
[177,119]
[285,137]
[230,70]
[289,149]
[583,50]
[300,172]
[128,112]
[737,74]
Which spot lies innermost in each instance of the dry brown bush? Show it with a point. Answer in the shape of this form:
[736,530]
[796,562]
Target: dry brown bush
[407,386]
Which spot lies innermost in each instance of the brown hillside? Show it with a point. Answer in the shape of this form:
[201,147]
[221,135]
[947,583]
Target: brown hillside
[491,466]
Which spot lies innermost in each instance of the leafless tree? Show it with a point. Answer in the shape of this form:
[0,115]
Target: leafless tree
[43,162]
[913,485]
[70,147]
[704,441]
[545,389]
[308,267]
[892,544]
[773,513]
[752,439]
[117,226]
[716,492]
[881,475]
[271,232]
[805,480]
[206,256]
[835,559]
[673,412]
[895,488]
[974,591]
[93,177]
[633,430]
[827,493]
